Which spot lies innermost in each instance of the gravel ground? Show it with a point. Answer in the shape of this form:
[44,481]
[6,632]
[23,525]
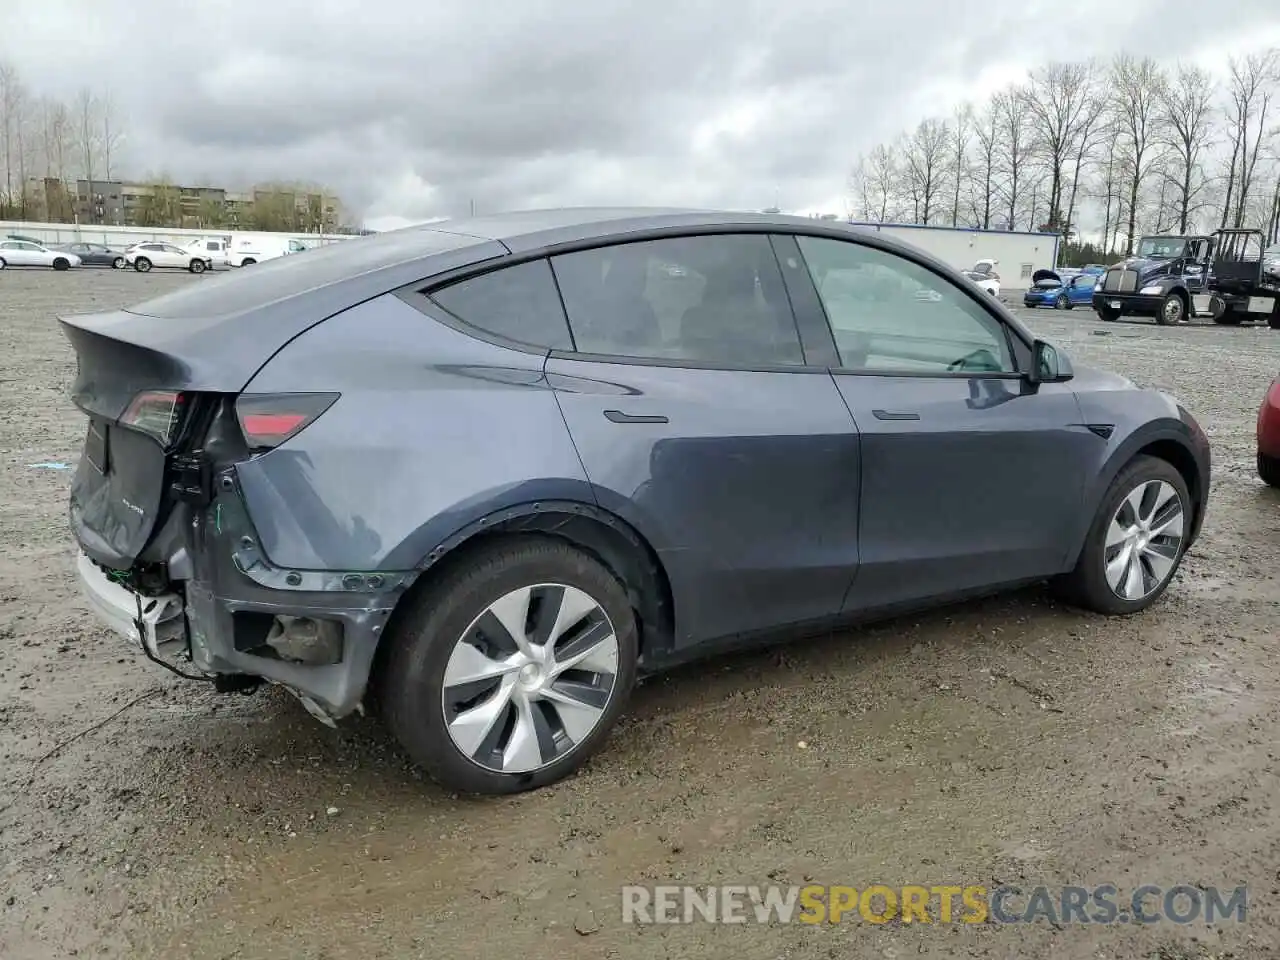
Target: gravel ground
[1010,741]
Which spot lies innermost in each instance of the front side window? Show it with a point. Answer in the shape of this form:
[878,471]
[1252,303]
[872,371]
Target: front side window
[517,303]
[891,315]
[716,300]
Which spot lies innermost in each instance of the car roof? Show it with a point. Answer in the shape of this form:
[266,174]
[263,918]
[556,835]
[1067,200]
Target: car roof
[338,275]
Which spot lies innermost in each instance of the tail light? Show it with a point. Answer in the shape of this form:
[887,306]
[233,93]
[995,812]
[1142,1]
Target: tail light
[157,413]
[269,419]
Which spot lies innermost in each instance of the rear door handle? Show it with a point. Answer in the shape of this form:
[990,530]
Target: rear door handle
[617,416]
[895,415]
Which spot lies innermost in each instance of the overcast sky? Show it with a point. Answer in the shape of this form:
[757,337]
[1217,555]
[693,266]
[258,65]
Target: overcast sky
[417,109]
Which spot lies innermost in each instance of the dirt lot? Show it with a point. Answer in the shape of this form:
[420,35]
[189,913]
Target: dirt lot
[1011,741]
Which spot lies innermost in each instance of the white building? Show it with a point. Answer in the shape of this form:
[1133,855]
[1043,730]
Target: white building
[1017,255]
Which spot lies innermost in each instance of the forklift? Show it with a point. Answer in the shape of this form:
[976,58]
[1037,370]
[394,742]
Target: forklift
[1244,281]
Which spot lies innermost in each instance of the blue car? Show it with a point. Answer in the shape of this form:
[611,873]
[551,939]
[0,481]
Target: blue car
[1061,289]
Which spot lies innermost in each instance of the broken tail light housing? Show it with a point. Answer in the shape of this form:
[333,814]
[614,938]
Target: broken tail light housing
[269,419]
[157,413]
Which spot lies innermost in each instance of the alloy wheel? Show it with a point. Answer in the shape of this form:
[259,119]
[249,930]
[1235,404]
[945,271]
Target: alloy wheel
[531,678]
[1172,310]
[1144,539]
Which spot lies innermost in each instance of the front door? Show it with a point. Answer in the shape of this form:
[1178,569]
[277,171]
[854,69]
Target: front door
[970,477]
[698,421]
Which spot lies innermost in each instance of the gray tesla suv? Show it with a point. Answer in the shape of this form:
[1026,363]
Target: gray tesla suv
[482,474]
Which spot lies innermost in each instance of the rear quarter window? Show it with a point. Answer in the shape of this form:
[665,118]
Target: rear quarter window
[518,303]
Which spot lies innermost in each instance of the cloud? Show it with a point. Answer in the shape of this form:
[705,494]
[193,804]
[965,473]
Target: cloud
[415,111]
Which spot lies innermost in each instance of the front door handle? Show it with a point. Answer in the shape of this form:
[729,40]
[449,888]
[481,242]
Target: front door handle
[617,416]
[895,415]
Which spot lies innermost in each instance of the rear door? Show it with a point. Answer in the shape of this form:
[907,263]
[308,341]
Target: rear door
[970,477]
[699,421]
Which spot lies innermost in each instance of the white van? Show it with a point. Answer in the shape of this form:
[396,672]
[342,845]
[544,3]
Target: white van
[213,249]
[249,248]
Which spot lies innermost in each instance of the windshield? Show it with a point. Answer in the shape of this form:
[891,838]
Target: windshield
[1160,248]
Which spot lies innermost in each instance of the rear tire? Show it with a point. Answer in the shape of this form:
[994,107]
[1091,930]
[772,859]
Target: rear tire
[142,265]
[62,263]
[1087,585]
[1229,317]
[247,261]
[1269,470]
[2,263]
[1062,303]
[1108,314]
[196,266]
[450,628]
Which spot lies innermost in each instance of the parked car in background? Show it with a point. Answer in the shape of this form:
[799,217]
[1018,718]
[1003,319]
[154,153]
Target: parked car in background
[1061,289]
[95,254]
[987,281]
[281,478]
[147,256]
[247,249]
[25,253]
[1269,436]
[212,249]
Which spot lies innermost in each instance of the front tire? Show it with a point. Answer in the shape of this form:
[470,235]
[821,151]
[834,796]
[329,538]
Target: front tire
[1062,303]
[1172,310]
[1108,314]
[247,262]
[61,263]
[1269,470]
[142,265]
[509,672]
[196,266]
[117,263]
[1135,543]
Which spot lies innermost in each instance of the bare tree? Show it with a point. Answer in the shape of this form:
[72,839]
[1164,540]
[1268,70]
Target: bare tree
[927,152]
[961,136]
[10,96]
[88,134]
[110,134]
[982,183]
[1109,183]
[1135,103]
[1251,91]
[1015,148]
[1186,106]
[1093,131]
[1060,100]
[875,183]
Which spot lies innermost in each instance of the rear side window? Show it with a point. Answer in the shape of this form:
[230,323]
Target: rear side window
[518,303]
[716,300]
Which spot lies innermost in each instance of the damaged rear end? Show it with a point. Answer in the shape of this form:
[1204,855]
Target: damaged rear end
[168,553]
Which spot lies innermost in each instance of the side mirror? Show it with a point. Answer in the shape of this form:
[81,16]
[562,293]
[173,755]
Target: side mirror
[1048,365]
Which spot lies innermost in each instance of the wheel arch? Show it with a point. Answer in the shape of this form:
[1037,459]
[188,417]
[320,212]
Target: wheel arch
[608,538]
[1165,441]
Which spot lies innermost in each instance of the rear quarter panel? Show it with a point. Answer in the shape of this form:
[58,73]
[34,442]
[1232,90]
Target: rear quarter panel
[433,430]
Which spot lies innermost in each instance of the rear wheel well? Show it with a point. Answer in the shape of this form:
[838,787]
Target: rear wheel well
[1182,460]
[611,541]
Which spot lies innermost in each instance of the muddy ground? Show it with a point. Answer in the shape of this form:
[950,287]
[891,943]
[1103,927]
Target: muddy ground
[1005,741]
